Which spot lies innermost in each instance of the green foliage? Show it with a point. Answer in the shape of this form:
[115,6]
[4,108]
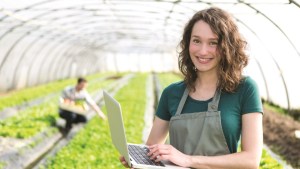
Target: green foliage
[36,119]
[92,147]
[2,165]
[30,121]
[267,162]
[99,85]
[166,79]
[132,98]
[275,108]
[17,97]
[294,113]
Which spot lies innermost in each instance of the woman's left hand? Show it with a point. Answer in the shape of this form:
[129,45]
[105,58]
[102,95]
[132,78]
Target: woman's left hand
[159,152]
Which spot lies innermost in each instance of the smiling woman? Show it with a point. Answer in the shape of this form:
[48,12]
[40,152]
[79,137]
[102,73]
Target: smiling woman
[214,102]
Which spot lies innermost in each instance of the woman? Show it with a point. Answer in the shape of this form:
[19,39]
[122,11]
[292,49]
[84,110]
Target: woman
[207,113]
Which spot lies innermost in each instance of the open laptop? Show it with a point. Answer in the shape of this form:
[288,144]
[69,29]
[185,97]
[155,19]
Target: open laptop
[135,154]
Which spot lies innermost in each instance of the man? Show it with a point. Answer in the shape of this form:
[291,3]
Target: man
[77,96]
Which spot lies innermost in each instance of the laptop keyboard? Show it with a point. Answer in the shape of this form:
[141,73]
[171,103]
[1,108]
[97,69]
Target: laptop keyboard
[139,154]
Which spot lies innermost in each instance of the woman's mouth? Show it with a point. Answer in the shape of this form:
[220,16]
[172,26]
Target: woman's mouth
[204,60]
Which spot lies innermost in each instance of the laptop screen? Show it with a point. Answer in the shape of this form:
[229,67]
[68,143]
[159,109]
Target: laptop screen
[116,126]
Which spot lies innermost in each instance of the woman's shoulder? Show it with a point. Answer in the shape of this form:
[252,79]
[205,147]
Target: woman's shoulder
[247,84]
[247,81]
[180,85]
[175,88]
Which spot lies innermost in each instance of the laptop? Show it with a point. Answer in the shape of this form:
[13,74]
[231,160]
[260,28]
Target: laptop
[135,154]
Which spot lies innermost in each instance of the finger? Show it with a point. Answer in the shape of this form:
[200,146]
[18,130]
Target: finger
[152,146]
[152,150]
[123,161]
[163,152]
[125,164]
[158,152]
[160,158]
[157,147]
[153,155]
[122,158]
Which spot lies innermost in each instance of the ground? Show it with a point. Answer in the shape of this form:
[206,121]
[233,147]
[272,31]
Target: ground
[279,134]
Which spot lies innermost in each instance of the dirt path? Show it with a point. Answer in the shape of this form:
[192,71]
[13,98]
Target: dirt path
[279,135]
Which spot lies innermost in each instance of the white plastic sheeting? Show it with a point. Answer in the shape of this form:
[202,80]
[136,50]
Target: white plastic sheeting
[46,40]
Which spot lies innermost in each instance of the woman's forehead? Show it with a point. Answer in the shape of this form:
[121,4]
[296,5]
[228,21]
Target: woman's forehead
[203,30]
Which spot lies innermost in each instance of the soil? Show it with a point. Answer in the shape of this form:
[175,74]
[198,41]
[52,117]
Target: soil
[279,135]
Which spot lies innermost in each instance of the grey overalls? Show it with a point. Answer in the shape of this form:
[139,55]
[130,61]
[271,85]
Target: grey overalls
[198,133]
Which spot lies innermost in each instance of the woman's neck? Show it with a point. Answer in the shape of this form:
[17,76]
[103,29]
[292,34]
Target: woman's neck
[206,80]
[205,85]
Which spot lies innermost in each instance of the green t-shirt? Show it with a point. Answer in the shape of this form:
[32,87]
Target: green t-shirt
[232,106]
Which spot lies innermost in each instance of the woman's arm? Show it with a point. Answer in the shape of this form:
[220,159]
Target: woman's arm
[248,158]
[158,132]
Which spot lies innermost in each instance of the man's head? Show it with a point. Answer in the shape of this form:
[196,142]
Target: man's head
[81,83]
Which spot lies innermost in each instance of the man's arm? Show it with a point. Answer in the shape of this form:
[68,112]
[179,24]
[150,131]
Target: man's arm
[93,104]
[98,110]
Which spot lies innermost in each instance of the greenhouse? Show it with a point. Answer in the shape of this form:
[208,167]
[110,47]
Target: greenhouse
[131,49]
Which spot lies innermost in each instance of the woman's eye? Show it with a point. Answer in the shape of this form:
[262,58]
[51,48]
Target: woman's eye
[213,43]
[196,41]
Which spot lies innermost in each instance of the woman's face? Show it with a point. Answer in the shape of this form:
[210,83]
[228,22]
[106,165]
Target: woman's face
[203,48]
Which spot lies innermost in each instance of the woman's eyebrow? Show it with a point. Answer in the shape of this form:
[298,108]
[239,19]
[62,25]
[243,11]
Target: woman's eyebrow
[196,36]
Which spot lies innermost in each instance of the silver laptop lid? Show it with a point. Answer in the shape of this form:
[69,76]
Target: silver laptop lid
[116,125]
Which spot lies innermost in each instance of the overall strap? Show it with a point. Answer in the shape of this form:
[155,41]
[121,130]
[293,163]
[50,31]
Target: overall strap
[213,105]
[182,101]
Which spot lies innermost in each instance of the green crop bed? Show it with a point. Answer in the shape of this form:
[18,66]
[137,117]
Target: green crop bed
[30,121]
[36,119]
[166,79]
[2,165]
[18,97]
[92,147]
[267,162]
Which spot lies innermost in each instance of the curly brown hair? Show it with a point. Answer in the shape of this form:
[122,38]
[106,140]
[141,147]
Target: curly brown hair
[231,46]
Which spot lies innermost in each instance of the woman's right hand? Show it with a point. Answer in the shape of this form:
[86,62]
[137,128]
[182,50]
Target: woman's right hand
[124,162]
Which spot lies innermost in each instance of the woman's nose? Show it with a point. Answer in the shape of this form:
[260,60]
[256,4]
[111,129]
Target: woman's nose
[203,49]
